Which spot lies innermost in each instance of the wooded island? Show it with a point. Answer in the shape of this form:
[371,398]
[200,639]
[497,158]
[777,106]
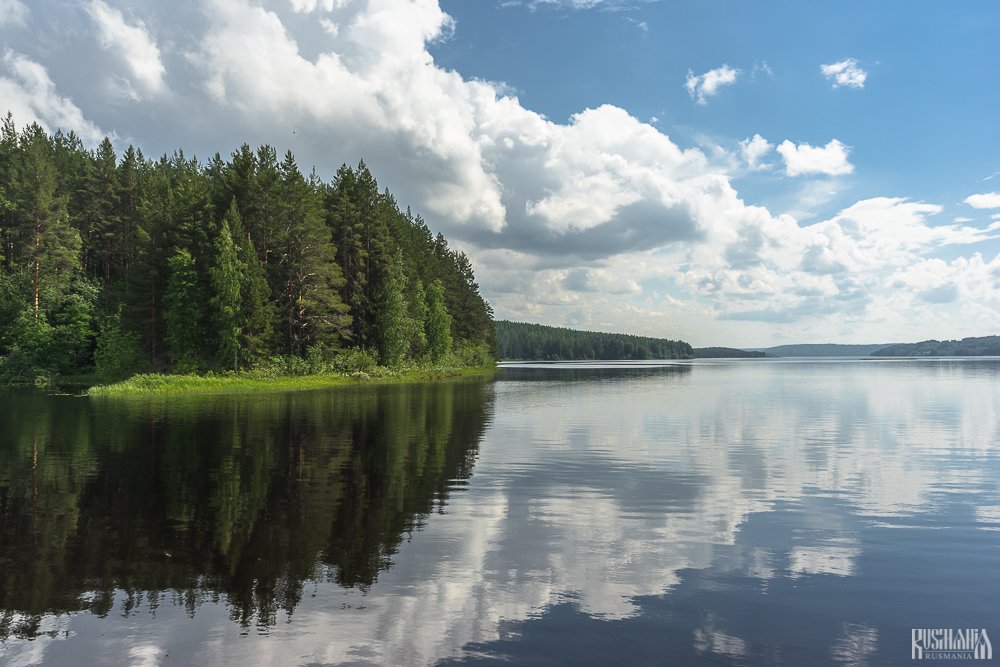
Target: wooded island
[122,265]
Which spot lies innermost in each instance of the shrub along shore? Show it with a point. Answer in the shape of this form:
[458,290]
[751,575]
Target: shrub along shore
[295,373]
[252,381]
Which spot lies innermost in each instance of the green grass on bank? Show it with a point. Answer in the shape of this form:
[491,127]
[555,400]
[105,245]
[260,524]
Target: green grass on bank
[256,381]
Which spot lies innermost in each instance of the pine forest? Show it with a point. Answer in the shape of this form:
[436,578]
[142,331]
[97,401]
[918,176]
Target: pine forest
[120,264]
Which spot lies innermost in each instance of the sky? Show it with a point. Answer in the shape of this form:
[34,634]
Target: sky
[726,173]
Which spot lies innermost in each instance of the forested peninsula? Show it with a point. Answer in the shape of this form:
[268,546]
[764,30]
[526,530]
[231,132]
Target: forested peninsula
[520,341]
[728,353]
[118,265]
[967,347]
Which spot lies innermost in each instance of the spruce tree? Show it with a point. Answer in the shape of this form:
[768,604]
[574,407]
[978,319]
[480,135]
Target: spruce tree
[255,294]
[227,301]
[107,244]
[129,184]
[182,314]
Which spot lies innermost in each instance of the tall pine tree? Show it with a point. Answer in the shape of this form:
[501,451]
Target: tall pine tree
[48,246]
[312,311]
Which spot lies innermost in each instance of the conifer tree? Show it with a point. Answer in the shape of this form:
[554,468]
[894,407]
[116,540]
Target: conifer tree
[148,279]
[292,266]
[182,314]
[255,294]
[107,244]
[8,208]
[129,184]
[48,245]
[313,313]
[242,311]
[227,301]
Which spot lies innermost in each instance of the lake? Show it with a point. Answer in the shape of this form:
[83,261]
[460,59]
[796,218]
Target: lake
[758,512]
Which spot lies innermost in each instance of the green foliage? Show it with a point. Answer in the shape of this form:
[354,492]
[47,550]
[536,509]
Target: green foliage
[61,342]
[13,300]
[255,297]
[355,360]
[438,322]
[227,302]
[73,327]
[289,374]
[313,312]
[183,312]
[46,246]
[418,319]
[470,355]
[228,263]
[394,326]
[27,360]
[119,353]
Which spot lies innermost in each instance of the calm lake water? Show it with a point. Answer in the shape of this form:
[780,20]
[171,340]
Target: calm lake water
[714,512]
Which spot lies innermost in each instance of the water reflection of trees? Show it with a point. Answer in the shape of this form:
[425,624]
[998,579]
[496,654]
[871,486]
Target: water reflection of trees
[105,503]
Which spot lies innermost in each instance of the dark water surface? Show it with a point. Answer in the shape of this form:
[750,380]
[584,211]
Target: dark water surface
[730,512]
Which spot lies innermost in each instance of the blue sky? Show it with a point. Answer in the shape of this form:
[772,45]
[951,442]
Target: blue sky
[723,172]
[924,125]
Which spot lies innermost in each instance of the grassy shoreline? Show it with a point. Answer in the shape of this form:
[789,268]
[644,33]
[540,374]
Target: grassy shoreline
[150,384]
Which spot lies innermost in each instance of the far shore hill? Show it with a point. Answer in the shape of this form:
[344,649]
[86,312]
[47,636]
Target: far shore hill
[967,347]
[522,340]
[800,350]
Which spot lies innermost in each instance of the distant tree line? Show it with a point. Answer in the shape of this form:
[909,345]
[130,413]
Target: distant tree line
[823,350]
[519,340]
[727,353]
[130,264]
[967,347]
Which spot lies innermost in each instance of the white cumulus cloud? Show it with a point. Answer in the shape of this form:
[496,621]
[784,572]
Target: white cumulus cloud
[753,149]
[845,74]
[30,95]
[305,6]
[610,5]
[985,200]
[132,43]
[803,159]
[598,221]
[703,86]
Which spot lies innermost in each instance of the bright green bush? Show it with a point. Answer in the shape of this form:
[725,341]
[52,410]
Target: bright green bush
[119,353]
[355,360]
